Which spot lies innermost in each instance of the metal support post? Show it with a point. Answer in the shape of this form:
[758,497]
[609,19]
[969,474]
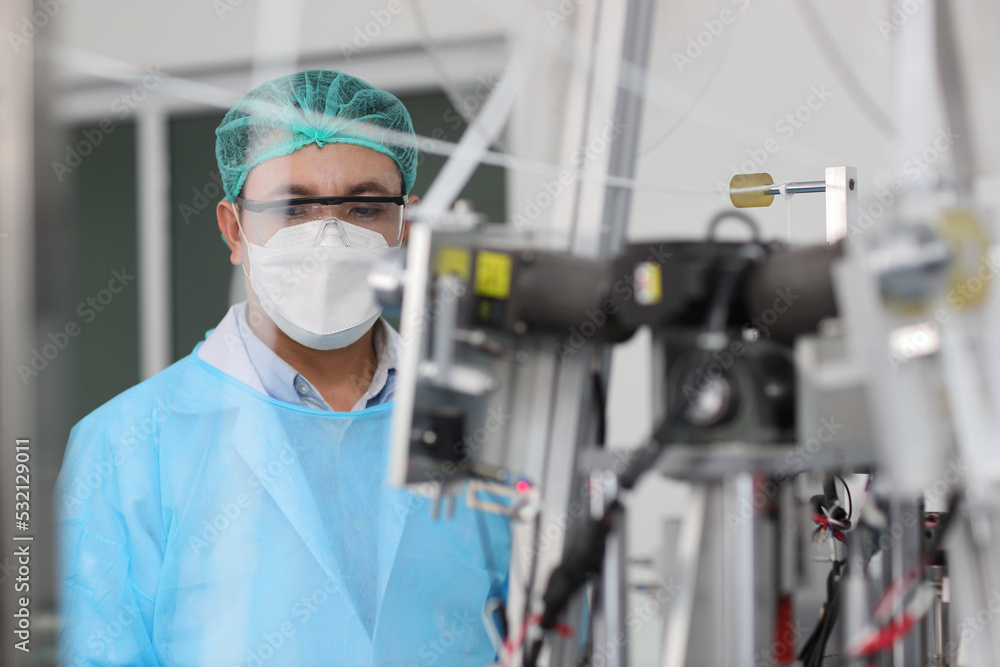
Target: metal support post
[17,309]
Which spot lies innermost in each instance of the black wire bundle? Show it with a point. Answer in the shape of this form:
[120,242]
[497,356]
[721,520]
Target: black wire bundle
[828,505]
[578,566]
[715,324]
[812,653]
[850,500]
[585,558]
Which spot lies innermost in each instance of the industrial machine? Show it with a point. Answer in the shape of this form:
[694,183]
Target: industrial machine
[829,404]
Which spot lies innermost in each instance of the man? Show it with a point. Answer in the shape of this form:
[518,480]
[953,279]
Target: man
[232,509]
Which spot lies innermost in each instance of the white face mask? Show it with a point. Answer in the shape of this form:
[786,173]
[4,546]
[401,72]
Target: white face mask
[318,294]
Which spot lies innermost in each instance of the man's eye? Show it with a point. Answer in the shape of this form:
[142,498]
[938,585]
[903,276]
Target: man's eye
[368,211]
[293,212]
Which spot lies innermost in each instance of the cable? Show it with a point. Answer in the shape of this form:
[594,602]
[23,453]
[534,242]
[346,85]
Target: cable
[115,70]
[713,224]
[489,122]
[635,79]
[657,92]
[835,527]
[896,620]
[111,69]
[532,619]
[586,556]
[714,328]
[842,70]
[697,100]
[447,85]
[600,403]
[442,147]
[578,566]
[850,500]
[881,639]
[427,42]
[812,653]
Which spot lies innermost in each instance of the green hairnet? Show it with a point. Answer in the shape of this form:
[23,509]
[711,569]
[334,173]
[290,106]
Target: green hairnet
[314,106]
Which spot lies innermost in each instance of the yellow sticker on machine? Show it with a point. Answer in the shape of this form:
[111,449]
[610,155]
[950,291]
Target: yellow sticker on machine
[648,283]
[493,271]
[453,261]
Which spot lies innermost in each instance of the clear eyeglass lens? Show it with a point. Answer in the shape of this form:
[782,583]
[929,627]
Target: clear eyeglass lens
[385,218]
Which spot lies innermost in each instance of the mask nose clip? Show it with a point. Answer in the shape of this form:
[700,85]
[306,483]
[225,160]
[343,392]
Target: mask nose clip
[340,229]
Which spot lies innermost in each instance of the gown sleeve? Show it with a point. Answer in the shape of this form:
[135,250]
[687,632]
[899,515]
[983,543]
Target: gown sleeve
[110,536]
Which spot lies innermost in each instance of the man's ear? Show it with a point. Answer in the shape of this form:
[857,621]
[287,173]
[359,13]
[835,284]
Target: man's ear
[230,229]
[412,200]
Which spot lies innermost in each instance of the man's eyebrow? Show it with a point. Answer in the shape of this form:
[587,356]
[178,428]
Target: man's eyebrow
[368,187]
[290,190]
[363,188]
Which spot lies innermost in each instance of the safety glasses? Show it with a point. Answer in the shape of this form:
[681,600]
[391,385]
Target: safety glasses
[384,215]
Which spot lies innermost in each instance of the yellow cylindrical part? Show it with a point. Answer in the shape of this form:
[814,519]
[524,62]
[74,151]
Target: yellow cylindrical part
[750,199]
[970,256]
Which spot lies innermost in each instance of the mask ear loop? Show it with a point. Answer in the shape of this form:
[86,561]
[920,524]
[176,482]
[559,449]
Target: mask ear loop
[246,241]
[399,230]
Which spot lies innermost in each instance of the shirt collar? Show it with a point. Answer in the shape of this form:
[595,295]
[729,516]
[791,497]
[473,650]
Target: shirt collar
[283,382]
[385,353]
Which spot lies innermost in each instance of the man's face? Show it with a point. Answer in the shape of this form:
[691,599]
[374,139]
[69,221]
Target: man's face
[335,170]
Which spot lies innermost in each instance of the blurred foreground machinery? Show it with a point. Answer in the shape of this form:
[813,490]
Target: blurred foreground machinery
[834,408]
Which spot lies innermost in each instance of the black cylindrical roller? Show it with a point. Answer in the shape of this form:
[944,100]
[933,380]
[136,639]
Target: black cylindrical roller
[789,293]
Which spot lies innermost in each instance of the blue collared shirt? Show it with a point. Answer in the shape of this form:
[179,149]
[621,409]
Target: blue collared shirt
[282,382]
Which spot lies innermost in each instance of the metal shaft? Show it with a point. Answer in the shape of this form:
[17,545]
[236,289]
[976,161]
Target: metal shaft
[798,188]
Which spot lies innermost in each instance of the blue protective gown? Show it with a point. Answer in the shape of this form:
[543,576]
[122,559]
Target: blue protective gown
[204,523]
